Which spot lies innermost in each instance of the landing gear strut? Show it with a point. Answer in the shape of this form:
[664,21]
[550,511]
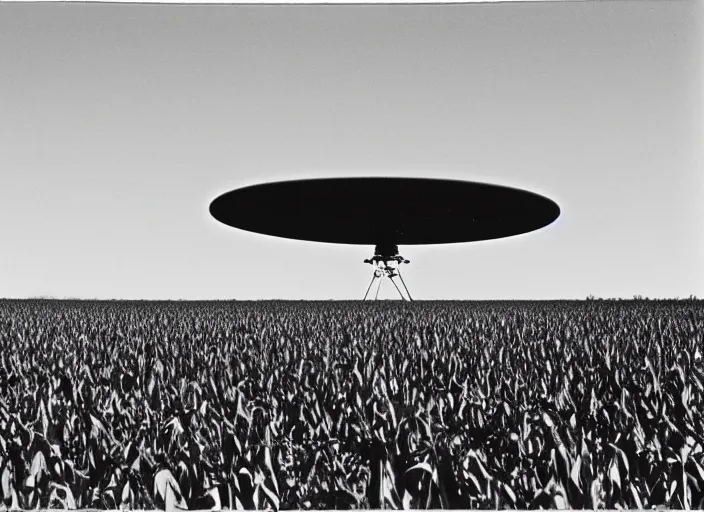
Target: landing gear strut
[387,264]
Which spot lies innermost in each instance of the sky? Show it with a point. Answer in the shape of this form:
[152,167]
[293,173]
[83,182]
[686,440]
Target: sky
[120,123]
[298,2]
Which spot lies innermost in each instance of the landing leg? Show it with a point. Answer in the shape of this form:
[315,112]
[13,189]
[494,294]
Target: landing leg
[386,262]
[404,285]
[370,286]
[397,288]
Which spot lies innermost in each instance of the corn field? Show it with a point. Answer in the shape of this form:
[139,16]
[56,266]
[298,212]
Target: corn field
[349,405]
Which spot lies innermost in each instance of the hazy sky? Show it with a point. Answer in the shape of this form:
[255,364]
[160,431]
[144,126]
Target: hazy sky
[120,123]
[291,1]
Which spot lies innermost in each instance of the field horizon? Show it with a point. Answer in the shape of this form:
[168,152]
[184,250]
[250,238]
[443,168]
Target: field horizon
[478,301]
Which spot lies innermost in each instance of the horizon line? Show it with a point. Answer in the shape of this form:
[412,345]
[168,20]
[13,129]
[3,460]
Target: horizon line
[635,298]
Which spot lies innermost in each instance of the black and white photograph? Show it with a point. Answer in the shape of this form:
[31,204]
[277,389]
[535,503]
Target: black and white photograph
[347,255]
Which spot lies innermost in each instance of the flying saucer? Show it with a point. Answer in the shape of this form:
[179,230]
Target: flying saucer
[384,212]
[370,211]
